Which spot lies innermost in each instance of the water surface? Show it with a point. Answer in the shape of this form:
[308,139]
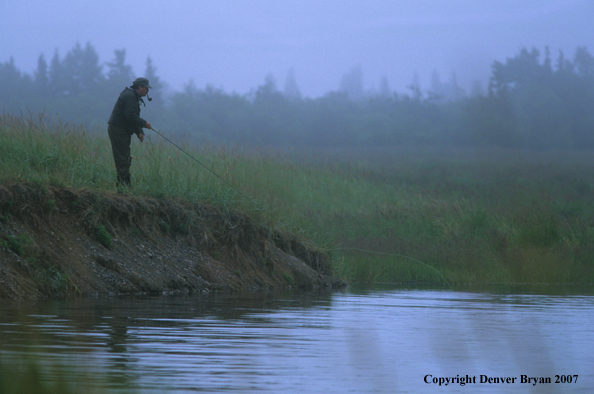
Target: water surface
[381,340]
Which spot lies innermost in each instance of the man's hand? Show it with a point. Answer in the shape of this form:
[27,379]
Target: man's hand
[141,136]
[148,126]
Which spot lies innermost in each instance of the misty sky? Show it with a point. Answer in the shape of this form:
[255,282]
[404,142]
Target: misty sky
[234,44]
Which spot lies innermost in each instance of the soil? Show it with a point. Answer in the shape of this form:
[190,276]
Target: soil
[57,241]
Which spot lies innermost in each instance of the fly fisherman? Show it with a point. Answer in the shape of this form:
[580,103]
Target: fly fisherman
[124,121]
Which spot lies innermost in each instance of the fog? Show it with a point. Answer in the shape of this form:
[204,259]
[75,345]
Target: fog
[235,44]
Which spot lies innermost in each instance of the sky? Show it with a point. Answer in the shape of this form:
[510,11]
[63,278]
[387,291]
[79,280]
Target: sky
[235,44]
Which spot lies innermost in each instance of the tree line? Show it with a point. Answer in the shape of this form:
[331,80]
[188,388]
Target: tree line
[532,101]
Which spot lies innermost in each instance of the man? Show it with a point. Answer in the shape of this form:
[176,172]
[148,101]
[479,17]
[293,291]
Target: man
[124,121]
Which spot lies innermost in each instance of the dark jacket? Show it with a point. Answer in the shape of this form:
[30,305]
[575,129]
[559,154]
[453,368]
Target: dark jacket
[126,112]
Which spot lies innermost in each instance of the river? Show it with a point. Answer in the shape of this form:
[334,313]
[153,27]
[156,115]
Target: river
[360,340]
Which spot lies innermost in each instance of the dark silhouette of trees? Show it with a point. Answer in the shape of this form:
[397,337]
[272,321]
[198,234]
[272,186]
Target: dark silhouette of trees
[551,105]
[533,101]
[16,87]
[41,78]
[157,107]
[119,74]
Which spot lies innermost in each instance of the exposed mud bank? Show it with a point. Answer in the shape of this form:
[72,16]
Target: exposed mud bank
[56,241]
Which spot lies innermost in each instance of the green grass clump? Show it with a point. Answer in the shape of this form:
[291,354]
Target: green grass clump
[289,279]
[103,236]
[54,281]
[386,214]
[16,244]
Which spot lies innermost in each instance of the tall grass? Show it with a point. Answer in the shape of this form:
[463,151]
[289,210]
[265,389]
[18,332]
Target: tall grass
[469,215]
[43,150]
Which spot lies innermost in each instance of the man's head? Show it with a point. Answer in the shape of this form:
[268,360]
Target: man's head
[141,85]
[141,81]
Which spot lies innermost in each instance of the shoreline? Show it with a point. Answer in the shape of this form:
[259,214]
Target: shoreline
[63,242]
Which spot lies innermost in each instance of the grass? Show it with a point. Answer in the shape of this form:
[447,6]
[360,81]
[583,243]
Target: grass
[425,215]
[15,244]
[103,236]
[288,278]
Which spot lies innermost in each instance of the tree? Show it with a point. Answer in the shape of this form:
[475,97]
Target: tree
[268,90]
[415,88]
[584,63]
[518,71]
[352,84]
[437,92]
[384,88]
[563,65]
[271,113]
[456,92]
[16,85]
[154,80]
[82,72]
[119,74]
[547,62]
[291,89]
[41,77]
[552,106]
[158,106]
[57,76]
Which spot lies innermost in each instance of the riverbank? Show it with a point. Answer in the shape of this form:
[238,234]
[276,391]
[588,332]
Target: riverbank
[60,241]
[433,215]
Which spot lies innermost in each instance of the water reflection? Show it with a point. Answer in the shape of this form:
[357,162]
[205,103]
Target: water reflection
[381,340]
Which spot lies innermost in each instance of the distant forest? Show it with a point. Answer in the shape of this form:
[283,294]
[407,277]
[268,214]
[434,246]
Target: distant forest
[532,102]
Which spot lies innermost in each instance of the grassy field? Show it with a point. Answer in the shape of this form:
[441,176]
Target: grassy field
[461,216]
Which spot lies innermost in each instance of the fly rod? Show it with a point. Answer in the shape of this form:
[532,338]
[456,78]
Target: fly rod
[208,169]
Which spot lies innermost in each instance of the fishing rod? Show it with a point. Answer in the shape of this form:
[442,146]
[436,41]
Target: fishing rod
[208,169]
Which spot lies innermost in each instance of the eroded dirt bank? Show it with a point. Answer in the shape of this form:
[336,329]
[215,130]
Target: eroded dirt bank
[57,241]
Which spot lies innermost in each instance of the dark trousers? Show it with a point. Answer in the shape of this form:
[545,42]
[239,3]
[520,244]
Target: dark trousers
[120,146]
